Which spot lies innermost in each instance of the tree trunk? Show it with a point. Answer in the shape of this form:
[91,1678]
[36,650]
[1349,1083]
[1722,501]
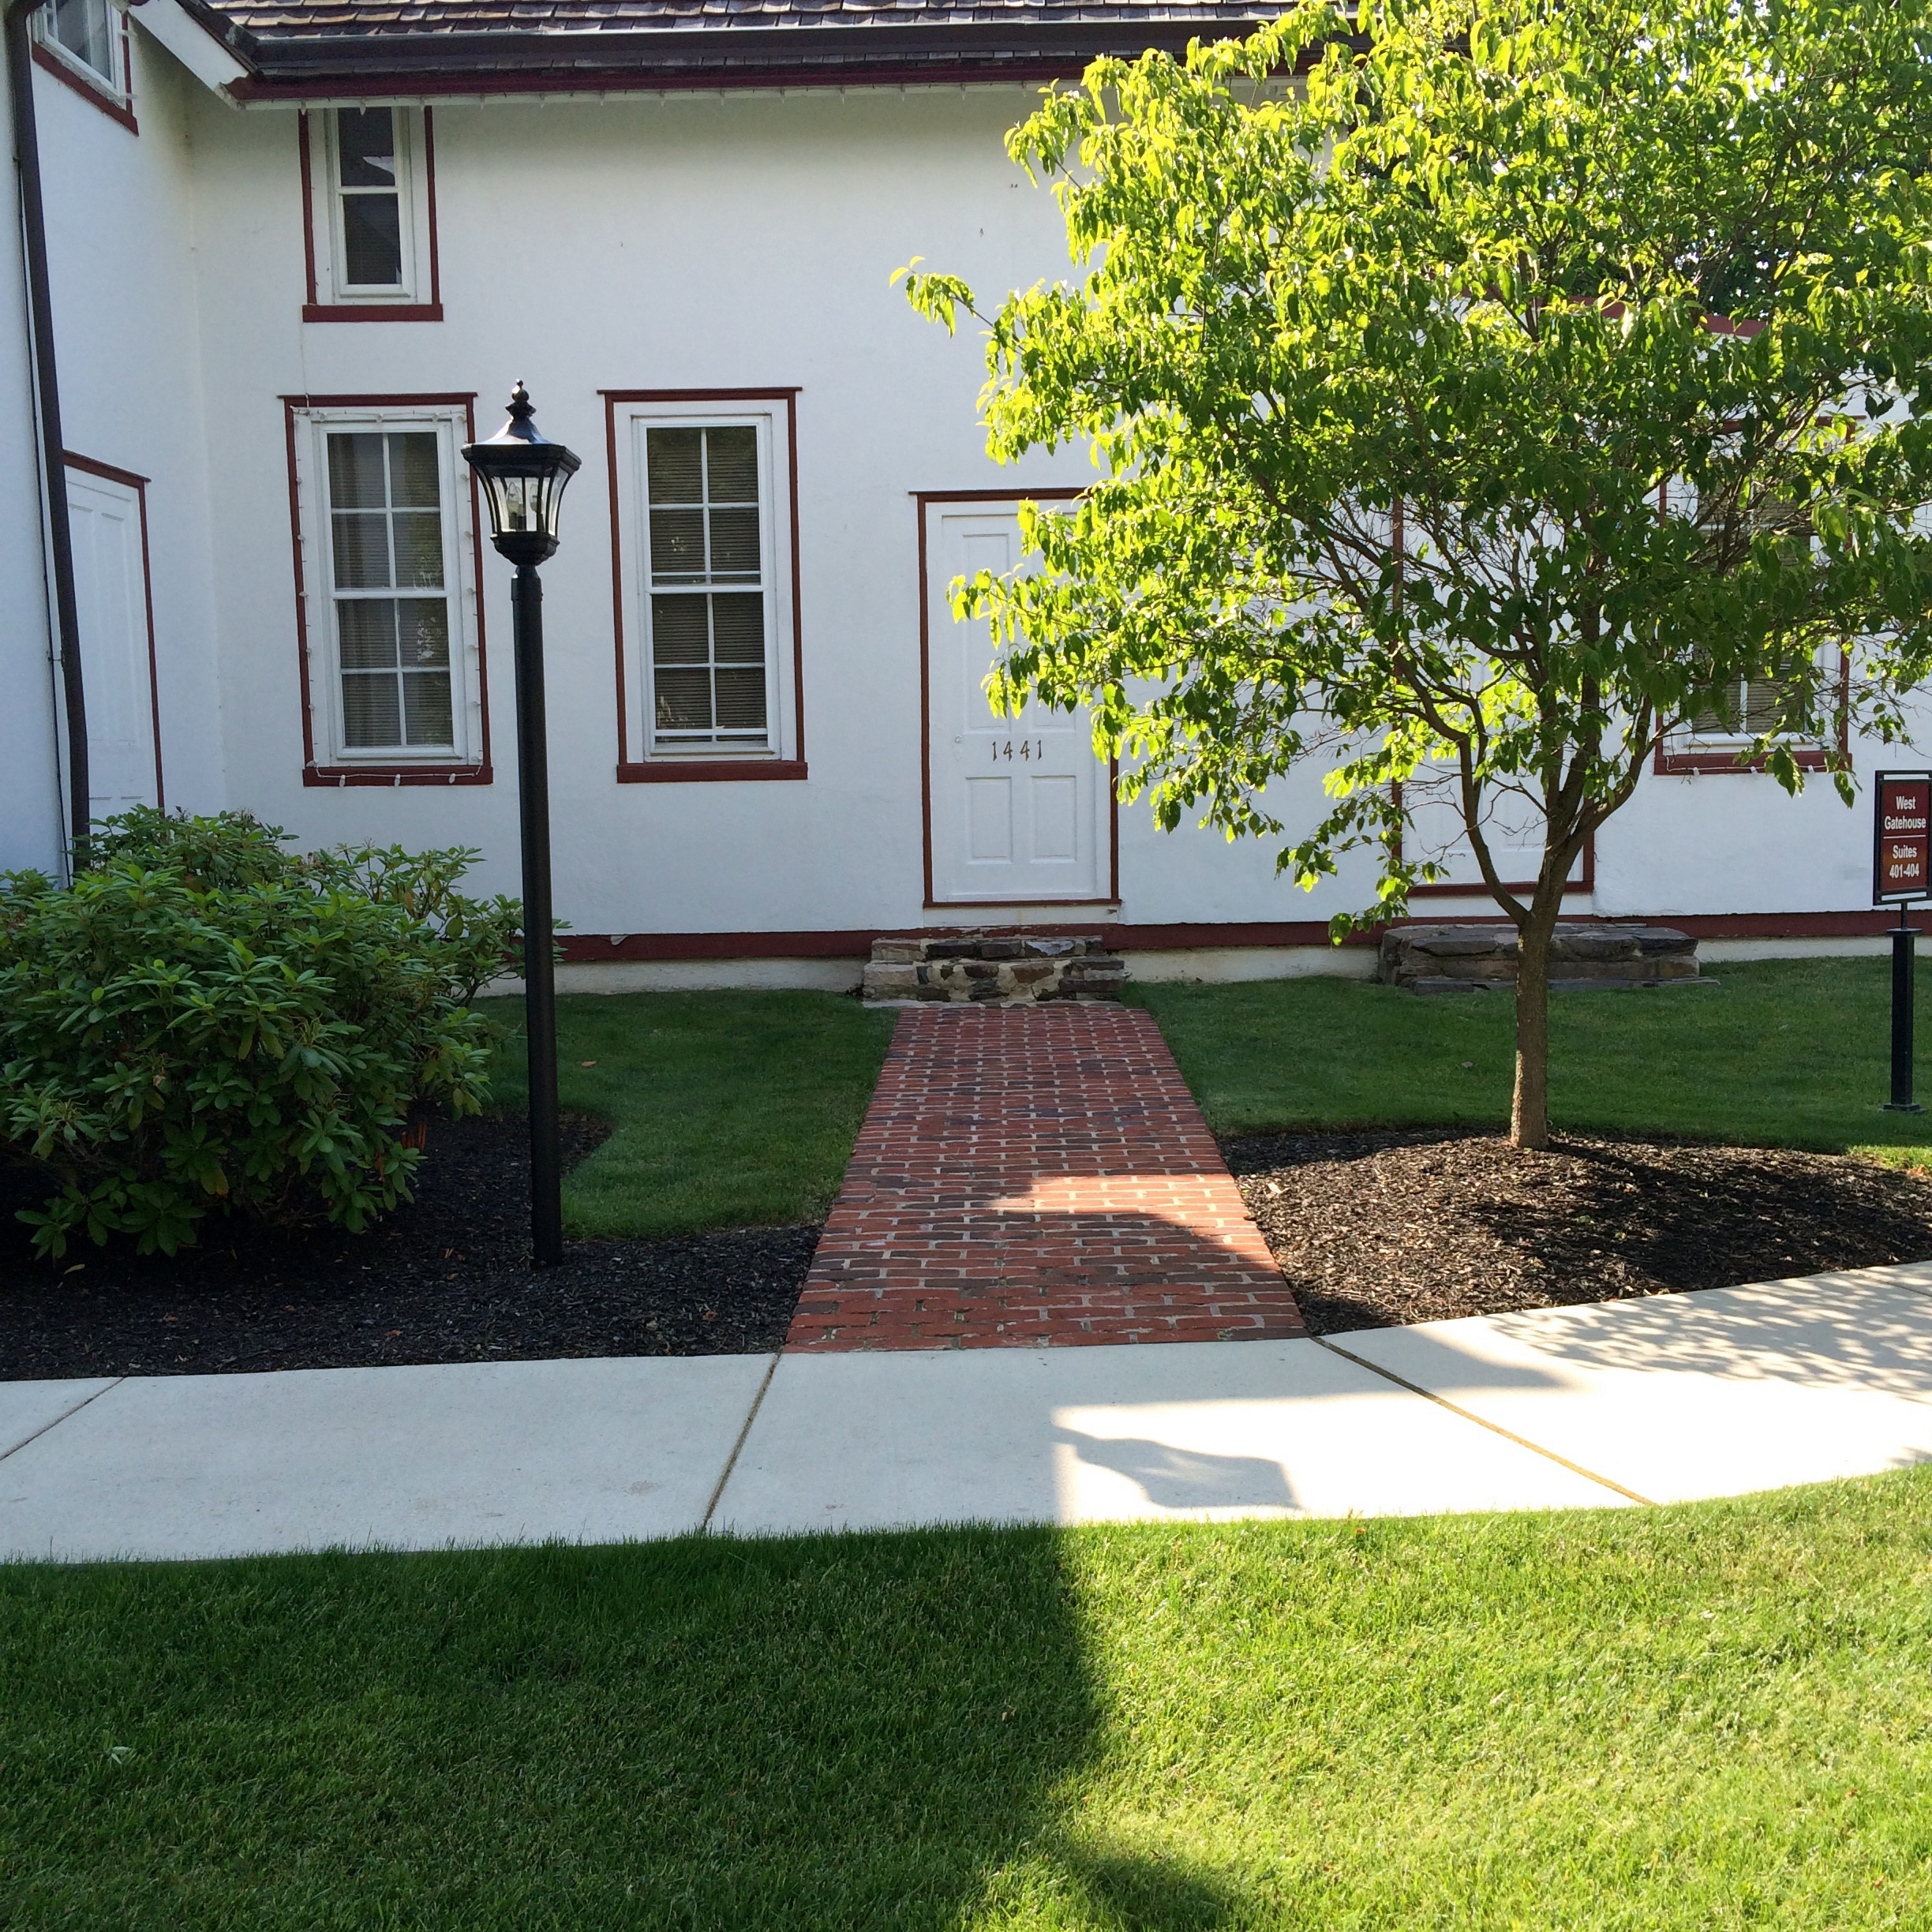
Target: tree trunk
[1530,1109]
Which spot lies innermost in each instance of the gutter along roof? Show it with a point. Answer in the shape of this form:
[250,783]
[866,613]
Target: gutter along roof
[302,49]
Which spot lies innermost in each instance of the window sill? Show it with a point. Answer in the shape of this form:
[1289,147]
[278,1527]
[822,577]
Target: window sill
[1712,760]
[371,311]
[70,76]
[699,771]
[334,776]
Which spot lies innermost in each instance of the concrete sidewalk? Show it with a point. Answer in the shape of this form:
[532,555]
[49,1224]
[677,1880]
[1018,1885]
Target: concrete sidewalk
[1603,1405]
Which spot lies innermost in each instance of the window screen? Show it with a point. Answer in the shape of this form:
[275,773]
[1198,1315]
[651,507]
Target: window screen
[391,597]
[708,597]
[368,187]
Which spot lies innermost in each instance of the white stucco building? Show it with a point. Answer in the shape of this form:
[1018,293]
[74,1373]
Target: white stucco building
[297,254]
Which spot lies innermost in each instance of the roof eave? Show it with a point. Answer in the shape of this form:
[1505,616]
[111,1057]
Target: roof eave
[388,65]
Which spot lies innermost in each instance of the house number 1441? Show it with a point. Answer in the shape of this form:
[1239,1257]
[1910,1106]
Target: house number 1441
[1029,748]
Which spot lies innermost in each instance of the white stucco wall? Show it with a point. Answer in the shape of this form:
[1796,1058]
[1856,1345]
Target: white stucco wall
[739,242]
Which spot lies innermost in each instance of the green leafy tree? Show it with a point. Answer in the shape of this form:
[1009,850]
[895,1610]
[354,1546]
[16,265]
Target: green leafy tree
[1526,383]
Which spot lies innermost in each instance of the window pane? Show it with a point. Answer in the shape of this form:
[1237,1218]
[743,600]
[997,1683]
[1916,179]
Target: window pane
[426,696]
[373,240]
[85,28]
[738,622]
[678,633]
[734,543]
[1765,705]
[418,550]
[365,146]
[677,542]
[366,626]
[415,471]
[741,701]
[370,716]
[676,475]
[355,467]
[362,551]
[422,631]
[732,466]
[683,700]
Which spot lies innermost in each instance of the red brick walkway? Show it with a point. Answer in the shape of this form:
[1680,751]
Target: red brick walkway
[1030,1177]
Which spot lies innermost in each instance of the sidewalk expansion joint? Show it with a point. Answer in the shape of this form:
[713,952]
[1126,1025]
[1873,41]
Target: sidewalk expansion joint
[61,1417]
[1522,1442]
[730,1461]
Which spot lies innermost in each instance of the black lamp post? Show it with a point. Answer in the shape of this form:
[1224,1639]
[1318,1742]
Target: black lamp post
[523,477]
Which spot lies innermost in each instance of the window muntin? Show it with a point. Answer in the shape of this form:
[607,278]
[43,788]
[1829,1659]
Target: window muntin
[388,588]
[389,610]
[89,35]
[710,629]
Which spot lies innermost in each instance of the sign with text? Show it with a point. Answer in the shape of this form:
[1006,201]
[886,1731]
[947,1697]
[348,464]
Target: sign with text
[1902,837]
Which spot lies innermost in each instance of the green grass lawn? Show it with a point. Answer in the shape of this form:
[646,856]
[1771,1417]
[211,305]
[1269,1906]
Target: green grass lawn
[1711,1717]
[1789,1052]
[729,1110]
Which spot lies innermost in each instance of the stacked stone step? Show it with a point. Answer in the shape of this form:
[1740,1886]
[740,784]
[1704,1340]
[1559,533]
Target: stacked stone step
[992,968]
[1466,959]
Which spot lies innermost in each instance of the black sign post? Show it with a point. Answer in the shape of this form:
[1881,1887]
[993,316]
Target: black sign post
[1902,874]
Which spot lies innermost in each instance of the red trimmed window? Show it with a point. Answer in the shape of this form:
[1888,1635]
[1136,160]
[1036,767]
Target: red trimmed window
[369,179]
[84,42]
[392,648]
[707,586]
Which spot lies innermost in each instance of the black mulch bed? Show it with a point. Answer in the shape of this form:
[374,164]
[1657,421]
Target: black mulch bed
[1374,1229]
[448,1280]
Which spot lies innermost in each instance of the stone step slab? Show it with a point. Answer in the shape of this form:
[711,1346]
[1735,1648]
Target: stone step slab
[1447,958]
[991,968]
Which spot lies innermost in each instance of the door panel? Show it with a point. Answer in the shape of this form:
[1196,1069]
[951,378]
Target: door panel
[110,590]
[1020,806]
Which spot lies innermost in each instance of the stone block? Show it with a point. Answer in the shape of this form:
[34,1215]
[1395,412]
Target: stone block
[886,981]
[1445,958]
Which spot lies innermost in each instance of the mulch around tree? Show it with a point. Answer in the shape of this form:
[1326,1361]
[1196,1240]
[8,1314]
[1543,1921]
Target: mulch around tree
[447,1279]
[1374,1229]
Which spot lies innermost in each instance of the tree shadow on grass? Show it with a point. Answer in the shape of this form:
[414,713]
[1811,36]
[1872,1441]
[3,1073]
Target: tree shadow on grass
[840,1731]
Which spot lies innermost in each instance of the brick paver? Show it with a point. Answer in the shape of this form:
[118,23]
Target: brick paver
[1030,1177]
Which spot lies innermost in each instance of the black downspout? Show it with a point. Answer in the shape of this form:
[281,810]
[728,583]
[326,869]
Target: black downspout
[41,307]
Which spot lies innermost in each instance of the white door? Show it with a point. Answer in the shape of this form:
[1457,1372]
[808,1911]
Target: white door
[111,589]
[1019,805]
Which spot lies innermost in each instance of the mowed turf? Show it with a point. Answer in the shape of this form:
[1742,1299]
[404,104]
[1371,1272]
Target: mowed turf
[1711,1717]
[1774,1053]
[727,1109]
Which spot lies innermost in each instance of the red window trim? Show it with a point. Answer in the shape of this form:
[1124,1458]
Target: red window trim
[689,768]
[129,479]
[1713,761]
[923,500]
[314,310]
[69,75]
[450,771]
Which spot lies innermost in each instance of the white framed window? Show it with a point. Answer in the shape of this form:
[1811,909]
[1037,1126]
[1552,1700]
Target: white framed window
[370,199]
[705,552]
[386,541]
[90,37]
